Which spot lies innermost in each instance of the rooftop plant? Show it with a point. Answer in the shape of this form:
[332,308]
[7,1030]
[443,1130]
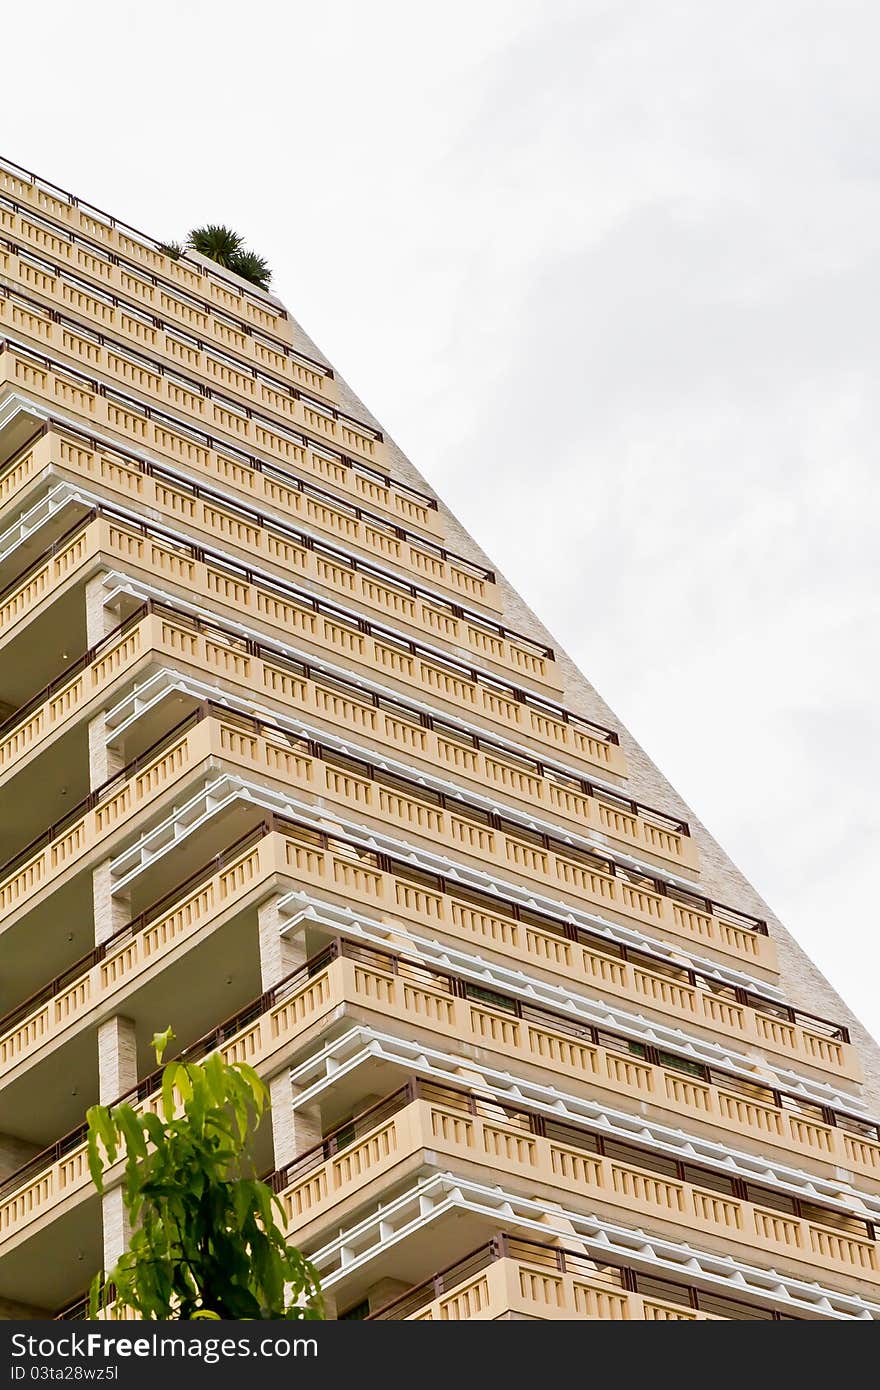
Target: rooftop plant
[227,248]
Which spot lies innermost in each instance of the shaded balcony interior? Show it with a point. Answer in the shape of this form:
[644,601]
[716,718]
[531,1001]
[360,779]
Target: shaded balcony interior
[47,937]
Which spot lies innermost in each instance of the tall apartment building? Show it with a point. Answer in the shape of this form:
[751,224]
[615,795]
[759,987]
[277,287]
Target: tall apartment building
[285,764]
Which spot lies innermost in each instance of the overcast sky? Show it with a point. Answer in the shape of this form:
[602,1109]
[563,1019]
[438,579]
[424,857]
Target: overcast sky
[609,273]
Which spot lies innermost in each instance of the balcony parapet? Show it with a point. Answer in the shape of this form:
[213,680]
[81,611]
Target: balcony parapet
[65,389]
[346,973]
[430,615]
[585,805]
[423,1124]
[135,357]
[515,709]
[320,690]
[129,473]
[353,975]
[513,1277]
[116,965]
[219,579]
[305,766]
[107,240]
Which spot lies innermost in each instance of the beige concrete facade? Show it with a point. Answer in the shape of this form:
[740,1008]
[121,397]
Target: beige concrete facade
[285,763]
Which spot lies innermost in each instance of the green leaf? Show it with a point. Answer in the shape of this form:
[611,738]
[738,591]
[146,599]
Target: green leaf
[96,1289]
[160,1042]
[101,1129]
[169,1077]
[129,1124]
[206,1240]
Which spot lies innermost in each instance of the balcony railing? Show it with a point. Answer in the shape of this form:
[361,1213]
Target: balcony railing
[482,631]
[559,1260]
[149,1086]
[263,302]
[65,428]
[317,605]
[68,979]
[574,1136]
[449,982]
[535,1122]
[54,549]
[278,384]
[296,435]
[131,929]
[359,691]
[460,804]
[101,793]
[427,668]
[93,653]
[328,551]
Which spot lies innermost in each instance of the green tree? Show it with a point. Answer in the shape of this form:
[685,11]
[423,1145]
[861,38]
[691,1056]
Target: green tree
[254,268]
[220,244]
[205,1241]
[227,248]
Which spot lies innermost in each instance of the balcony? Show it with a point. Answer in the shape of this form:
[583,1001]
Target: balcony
[152,634]
[402,806]
[50,1217]
[189,364]
[456,1125]
[512,1278]
[190,958]
[232,590]
[386,989]
[213,737]
[75,273]
[348,979]
[45,208]
[85,400]
[46,904]
[42,618]
[47,1041]
[296,555]
[424,1125]
[128,476]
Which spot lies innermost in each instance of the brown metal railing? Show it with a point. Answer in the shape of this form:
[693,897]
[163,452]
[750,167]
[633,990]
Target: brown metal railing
[94,652]
[400,869]
[601,1272]
[57,545]
[131,929]
[309,600]
[265,304]
[534,1122]
[99,794]
[460,804]
[296,435]
[309,542]
[115,300]
[52,424]
[459,987]
[152,1082]
[456,985]
[314,669]
[304,538]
